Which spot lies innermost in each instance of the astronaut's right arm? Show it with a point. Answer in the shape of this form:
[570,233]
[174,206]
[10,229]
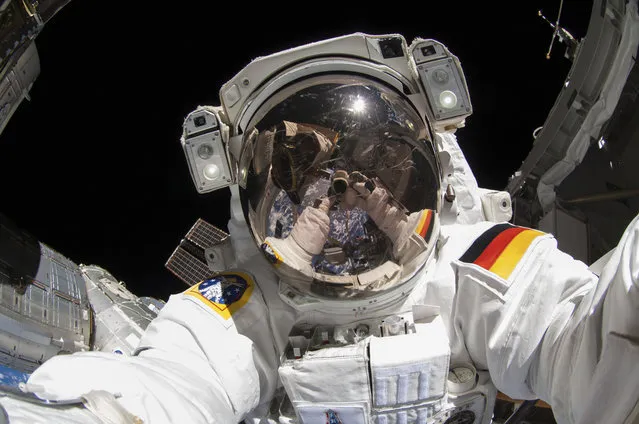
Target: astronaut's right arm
[193,365]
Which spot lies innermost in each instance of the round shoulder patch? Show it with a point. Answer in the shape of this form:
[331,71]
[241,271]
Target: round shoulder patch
[225,293]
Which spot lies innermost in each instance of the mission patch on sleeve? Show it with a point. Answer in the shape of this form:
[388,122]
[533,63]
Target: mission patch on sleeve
[224,293]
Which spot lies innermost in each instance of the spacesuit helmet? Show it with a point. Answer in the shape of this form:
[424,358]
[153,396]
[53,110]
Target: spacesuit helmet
[332,146]
[315,153]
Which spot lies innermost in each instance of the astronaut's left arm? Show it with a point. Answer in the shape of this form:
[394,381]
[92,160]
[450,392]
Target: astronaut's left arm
[546,327]
[193,365]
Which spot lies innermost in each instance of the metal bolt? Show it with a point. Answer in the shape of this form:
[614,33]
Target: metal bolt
[245,82]
[450,193]
[362,330]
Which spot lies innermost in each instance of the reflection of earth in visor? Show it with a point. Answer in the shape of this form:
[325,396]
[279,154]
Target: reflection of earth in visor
[354,243]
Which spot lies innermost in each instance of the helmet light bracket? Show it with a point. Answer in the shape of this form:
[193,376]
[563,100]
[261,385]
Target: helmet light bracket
[205,151]
[444,84]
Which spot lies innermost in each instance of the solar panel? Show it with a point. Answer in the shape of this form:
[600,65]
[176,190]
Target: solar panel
[188,262]
[187,267]
[205,235]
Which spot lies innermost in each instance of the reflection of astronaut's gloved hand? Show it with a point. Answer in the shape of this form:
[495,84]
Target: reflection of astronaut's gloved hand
[311,229]
[307,238]
[400,228]
[376,203]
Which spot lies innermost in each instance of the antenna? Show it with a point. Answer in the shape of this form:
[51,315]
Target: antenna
[561,33]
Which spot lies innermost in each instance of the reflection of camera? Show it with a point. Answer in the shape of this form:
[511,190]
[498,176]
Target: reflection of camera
[341,180]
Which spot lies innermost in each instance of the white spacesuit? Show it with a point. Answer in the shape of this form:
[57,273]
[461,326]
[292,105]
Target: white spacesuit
[373,281]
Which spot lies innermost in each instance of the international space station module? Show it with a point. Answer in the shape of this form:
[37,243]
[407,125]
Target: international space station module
[50,305]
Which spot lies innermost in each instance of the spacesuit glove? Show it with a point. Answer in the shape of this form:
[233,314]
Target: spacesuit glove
[388,218]
[393,221]
[306,239]
[352,199]
[311,229]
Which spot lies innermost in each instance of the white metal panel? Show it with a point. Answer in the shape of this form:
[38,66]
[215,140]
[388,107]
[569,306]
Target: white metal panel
[571,233]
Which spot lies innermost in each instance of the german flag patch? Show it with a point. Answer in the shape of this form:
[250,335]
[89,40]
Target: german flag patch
[500,248]
[425,224]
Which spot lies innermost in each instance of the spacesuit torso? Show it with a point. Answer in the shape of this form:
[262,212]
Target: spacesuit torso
[388,363]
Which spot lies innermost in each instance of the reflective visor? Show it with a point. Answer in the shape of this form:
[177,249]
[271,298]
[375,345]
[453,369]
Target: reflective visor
[328,142]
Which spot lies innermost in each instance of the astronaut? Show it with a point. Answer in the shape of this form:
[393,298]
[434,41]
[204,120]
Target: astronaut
[373,281]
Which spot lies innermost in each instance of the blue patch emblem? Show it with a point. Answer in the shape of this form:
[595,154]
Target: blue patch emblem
[225,294]
[332,417]
[223,290]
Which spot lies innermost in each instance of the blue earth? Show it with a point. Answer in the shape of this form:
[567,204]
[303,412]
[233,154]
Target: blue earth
[11,377]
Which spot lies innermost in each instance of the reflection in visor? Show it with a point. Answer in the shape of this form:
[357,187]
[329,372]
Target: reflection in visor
[359,152]
[298,150]
[354,242]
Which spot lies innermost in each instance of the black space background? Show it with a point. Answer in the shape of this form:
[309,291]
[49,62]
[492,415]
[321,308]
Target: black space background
[92,166]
